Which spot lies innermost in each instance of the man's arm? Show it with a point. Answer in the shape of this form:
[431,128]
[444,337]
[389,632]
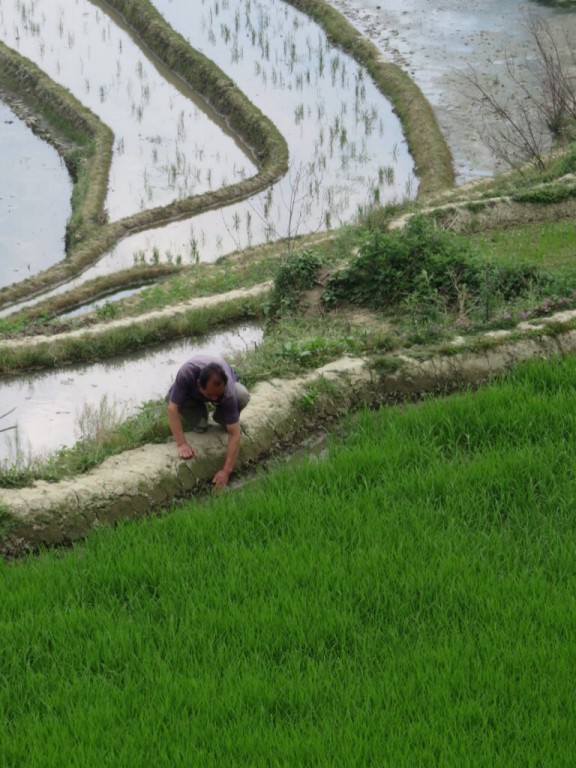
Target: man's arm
[220,479]
[185,451]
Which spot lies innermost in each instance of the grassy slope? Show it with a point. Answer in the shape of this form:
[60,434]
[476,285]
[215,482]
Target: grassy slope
[409,601]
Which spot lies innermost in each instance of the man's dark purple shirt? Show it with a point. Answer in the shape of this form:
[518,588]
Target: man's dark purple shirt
[185,387]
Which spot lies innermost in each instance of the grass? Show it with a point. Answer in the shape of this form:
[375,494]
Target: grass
[296,345]
[407,601]
[550,245]
[122,340]
[173,284]
[251,267]
[525,177]
[432,283]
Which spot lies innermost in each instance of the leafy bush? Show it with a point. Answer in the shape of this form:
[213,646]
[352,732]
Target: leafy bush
[567,162]
[391,266]
[296,275]
[511,282]
[421,266]
[553,193]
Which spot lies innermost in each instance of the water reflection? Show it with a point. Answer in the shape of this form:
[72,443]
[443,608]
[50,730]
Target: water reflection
[48,405]
[100,303]
[166,146]
[32,223]
[438,42]
[347,149]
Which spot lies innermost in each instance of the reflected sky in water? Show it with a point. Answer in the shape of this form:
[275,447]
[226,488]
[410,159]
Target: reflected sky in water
[32,223]
[49,404]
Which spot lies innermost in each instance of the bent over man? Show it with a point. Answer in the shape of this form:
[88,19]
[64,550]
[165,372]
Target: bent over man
[207,379]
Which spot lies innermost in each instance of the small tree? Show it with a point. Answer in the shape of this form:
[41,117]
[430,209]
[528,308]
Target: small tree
[541,110]
[305,186]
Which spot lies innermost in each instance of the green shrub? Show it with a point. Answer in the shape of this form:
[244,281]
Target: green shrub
[553,193]
[296,275]
[425,267]
[391,266]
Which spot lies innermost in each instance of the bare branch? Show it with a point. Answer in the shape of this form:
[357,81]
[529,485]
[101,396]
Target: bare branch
[542,107]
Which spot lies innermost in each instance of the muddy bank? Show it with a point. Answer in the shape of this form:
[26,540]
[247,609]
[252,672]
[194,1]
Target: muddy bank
[143,480]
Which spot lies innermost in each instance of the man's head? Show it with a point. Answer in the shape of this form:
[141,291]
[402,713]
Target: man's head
[212,381]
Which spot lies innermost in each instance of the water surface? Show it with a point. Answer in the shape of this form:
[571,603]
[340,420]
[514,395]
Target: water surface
[50,405]
[437,42]
[32,222]
[167,146]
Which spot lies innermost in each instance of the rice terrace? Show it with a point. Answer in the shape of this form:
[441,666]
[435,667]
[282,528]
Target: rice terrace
[368,208]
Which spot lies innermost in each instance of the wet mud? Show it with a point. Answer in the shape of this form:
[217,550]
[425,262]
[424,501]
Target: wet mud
[437,43]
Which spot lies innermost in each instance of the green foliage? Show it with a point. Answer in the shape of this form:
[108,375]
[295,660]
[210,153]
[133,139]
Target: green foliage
[294,345]
[108,311]
[108,438]
[6,519]
[323,394]
[566,163]
[392,265]
[546,195]
[476,206]
[296,275]
[424,268]
[116,341]
[387,365]
[311,352]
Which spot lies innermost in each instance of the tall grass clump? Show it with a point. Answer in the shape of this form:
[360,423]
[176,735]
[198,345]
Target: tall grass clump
[102,430]
[407,601]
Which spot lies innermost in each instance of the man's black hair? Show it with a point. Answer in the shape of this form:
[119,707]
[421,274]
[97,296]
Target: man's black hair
[210,372]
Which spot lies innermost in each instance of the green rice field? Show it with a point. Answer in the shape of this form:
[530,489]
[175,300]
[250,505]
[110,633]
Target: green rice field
[410,600]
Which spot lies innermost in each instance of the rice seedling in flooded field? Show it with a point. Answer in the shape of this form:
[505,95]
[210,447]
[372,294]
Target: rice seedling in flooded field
[404,601]
[338,99]
[341,129]
[85,50]
[338,126]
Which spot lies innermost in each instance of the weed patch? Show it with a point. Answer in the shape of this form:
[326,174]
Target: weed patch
[296,275]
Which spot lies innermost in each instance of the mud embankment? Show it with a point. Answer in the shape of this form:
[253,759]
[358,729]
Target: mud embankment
[143,480]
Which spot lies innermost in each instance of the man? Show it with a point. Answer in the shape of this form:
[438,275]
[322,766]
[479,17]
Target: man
[207,379]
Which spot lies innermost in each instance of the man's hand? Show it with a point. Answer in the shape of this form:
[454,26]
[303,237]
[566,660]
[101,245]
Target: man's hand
[186,451]
[220,479]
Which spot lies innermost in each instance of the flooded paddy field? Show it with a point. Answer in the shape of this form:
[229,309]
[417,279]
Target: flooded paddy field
[52,407]
[32,223]
[346,146]
[167,144]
